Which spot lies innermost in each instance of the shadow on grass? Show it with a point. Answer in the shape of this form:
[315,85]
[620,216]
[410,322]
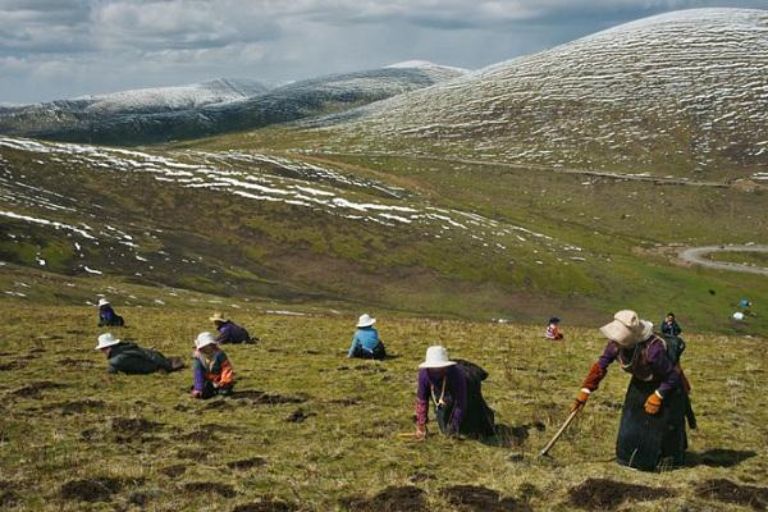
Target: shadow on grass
[511,436]
[718,458]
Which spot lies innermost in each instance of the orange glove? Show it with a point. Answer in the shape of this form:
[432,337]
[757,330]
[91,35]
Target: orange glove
[653,403]
[581,399]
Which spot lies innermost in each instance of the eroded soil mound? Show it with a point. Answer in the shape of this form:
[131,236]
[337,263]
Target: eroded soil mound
[255,462]
[471,498]
[34,389]
[727,491]
[298,416]
[262,397]
[265,505]
[133,426]
[223,490]
[174,471]
[76,406]
[391,499]
[91,489]
[603,494]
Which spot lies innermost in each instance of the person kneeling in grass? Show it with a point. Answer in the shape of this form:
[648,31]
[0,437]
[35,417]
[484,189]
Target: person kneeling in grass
[212,371]
[128,357]
[455,390]
[229,331]
[366,343]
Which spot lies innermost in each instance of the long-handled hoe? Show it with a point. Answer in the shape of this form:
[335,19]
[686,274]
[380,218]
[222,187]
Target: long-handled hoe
[559,433]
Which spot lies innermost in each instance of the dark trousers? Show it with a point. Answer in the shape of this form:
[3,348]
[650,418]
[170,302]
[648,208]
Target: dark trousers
[209,391]
[377,353]
[652,441]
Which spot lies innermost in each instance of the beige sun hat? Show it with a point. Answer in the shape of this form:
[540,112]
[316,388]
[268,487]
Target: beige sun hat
[106,340]
[365,320]
[437,357]
[218,317]
[103,302]
[627,329]
[204,339]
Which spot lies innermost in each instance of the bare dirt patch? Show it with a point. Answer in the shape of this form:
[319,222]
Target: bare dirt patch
[192,453]
[254,462]
[298,416]
[391,499]
[91,489]
[223,490]
[76,363]
[13,365]
[516,435]
[265,505]
[174,471]
[720,457]
[603,494]
[472,498]
[727,491]
[76,406]
[133,426]
[34,389]
[262,397]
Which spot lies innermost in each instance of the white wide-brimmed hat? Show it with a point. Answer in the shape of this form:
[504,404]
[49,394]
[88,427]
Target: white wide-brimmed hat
[738,315]
[204,339]
[218,317]
[437,357]
[365,320]
[103,302]
[106,340]
[627,329]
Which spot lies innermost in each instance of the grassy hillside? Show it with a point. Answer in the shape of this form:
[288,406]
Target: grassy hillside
[330,440]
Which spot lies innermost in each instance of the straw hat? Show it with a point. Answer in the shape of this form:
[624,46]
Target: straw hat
[107,340]
[627,329]
[365,320]
[204,339]
[103,302]
[437,357]
[218,317]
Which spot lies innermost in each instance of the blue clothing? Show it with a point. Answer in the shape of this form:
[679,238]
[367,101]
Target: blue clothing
[366,339]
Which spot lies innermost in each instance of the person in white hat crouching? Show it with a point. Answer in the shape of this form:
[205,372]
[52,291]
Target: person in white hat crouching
[128,357]
[454,388]
[107,315]
[366,343]
[652,428]
[229,331]
[212,371]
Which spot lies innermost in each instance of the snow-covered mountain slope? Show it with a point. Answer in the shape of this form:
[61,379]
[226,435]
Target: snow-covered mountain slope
[176,113]
[681,91]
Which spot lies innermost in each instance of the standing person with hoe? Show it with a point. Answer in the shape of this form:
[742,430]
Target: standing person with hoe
[652,429]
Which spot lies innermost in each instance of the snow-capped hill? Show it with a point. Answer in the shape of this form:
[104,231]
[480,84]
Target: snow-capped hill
[146,116]
[174,98]
[449,71]
[681,91]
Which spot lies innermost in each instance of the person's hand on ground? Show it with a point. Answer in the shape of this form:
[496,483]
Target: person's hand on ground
[196,393]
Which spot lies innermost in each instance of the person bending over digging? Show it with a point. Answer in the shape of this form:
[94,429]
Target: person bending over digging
[366,343]
[652,428]
[107,315]
[454,387]
[128,357]
[229,331]
[212,371]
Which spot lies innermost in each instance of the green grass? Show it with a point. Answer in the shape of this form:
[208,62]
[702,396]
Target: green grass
[340,450]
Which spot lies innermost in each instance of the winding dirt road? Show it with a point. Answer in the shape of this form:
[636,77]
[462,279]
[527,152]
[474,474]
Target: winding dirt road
[697,256]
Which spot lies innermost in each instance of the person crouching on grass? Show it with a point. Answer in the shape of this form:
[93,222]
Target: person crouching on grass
[652,428]
[455,389]
[212,371]
[553,329]
[366,343]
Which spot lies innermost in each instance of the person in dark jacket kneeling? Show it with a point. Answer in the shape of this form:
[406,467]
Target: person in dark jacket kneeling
[652,430]
[213,373]
[107,315]
[455,390]
[128,357]
[229,331]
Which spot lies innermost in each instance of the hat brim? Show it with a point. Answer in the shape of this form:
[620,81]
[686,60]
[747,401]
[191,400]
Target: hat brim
[99,347]
[620,333]
[367,324]
[436,364]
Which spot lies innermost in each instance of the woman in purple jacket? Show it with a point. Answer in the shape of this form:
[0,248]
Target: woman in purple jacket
[455,390]
[652,429]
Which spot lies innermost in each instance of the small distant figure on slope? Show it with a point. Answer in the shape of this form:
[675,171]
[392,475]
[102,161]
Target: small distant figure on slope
[229,331]
[212,372]
[128,357]
[455,389]
[745,306]
[107,315]
[669,326]
[366,343]
[553,329]
[652,431]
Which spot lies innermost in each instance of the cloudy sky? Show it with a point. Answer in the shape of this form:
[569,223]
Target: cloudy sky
[63,48]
